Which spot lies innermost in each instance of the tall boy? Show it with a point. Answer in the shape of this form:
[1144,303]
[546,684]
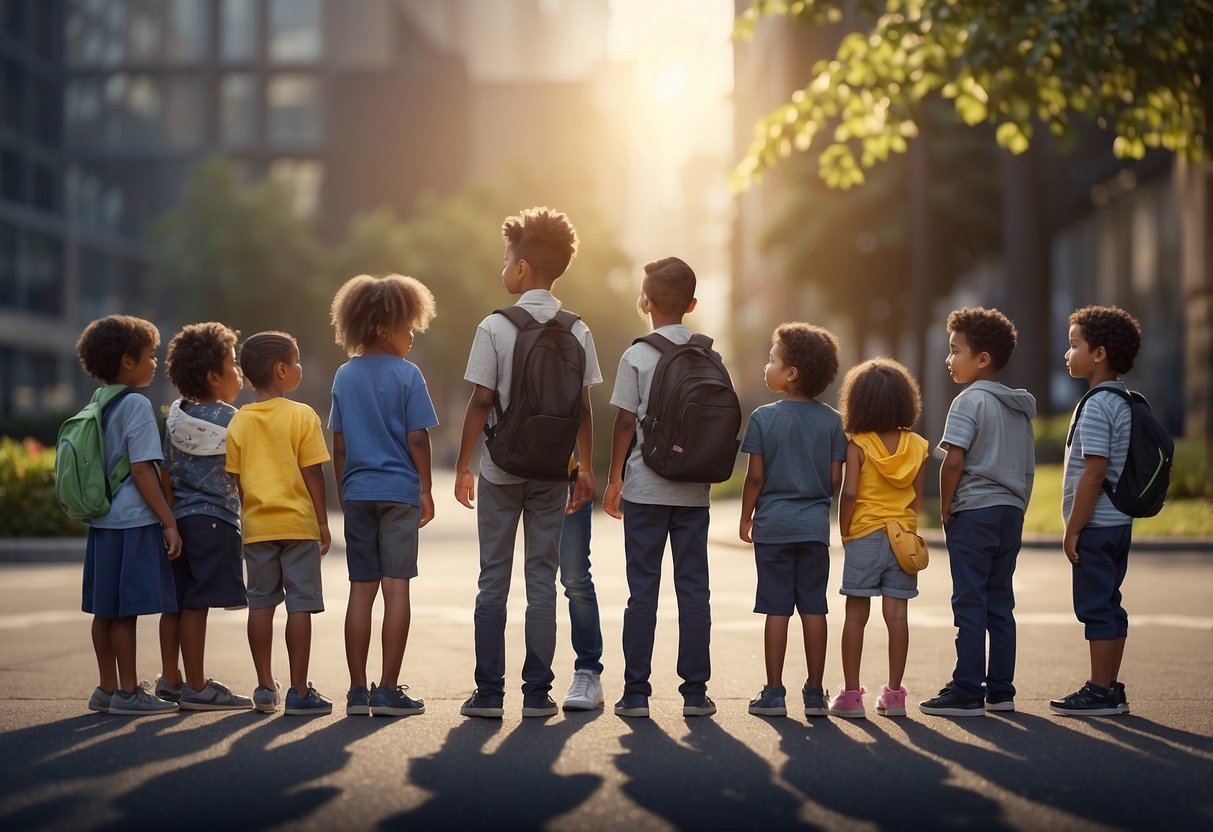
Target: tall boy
[1104,341]
[984,486]
[654,508]
[540,243]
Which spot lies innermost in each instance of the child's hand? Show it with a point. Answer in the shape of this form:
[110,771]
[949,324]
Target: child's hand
[427,509]
[583,492]
[326,540]
[945,516]
[465,488]
[172,542]
[1069,545]
[610,500]
[747,526]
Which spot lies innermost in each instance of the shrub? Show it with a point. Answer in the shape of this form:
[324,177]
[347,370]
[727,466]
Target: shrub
[27,492]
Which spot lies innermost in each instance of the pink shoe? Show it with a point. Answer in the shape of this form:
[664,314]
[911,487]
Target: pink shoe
[849,704]
[891,702]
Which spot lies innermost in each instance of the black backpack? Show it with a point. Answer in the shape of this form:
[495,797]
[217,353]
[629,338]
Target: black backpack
[1142,487]
[693,417]
[535,435]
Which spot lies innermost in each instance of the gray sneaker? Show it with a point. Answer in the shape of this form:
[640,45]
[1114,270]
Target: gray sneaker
[395,702]
[358,701]
[310,704]
[166,691]
[815,701]
[538,704]
[698,704]
[266,699]
[770,702]
[214,696]
[100,701]
[139,703]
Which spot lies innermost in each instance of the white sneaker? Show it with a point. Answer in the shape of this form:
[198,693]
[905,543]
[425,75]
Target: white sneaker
[585,692]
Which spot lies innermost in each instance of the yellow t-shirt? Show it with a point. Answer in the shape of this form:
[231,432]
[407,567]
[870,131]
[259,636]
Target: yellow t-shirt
[268,446]
[886,483]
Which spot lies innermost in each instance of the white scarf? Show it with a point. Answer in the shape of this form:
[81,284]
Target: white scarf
[194,436]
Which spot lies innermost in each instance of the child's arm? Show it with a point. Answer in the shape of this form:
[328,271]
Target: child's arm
[920,481]
[166,484]
[419,449]
[480,405]
[835,476]
[313,479]
[949,477]
[583,489]
[621,440]
[339,463]
[850,488]
[755,476]
[1085,496]
[147,483]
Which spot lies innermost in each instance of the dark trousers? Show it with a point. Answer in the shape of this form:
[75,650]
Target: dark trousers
[1103,560]
[645,530]
[983,545]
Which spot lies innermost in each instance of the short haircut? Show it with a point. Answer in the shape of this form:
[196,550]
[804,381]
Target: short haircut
[262,352]
[544,238]
[669,284]
[1112,328]
[879,395]
[813,351]
[366,303]
[196,350]
[103,343]
[986,330]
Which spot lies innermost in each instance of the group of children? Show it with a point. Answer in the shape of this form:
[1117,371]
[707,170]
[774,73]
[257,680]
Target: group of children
[243,490]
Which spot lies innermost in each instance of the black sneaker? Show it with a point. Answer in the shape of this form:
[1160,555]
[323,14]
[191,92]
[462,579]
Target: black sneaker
[1122,701]
[485,705]
[949,703]
[1000,702]
[698,704]
[1090,700]
[632,704]
[538,704]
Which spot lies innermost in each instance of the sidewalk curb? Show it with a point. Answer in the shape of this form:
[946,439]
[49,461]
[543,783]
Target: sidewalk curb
[1031,541]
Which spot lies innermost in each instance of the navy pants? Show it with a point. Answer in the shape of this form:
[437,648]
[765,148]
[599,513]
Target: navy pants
[1103,560]
[645,529]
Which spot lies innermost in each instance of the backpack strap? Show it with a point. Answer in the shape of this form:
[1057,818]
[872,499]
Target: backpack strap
[657,342]
[122,469]
[522,319]
[1127,395]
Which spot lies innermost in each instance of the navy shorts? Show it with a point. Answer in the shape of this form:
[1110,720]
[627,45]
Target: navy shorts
[127,572]
[792,577]
[381,539]
[210,571]
[1103,560]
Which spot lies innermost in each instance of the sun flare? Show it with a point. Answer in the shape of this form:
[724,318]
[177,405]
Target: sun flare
[670,82]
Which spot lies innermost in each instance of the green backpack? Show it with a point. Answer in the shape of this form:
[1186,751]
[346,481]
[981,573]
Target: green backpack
[82,487]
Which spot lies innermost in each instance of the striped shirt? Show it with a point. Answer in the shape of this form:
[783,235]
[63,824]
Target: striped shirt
[1102,430]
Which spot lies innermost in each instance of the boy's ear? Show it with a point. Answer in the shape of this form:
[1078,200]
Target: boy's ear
[1099,354]
[691,306]
[983,360]
[129,362]
[212,378]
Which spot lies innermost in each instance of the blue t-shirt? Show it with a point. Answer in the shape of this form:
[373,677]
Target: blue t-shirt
[798,442]
[377,401]
[200,483]
[1102,430]
[130,428]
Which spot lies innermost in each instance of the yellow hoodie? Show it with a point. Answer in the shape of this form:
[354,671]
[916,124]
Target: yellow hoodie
[886,483]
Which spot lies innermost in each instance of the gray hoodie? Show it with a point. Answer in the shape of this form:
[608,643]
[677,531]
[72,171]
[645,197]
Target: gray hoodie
[992,423]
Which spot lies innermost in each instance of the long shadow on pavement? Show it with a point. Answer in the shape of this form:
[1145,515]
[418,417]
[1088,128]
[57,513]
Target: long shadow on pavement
[512,787]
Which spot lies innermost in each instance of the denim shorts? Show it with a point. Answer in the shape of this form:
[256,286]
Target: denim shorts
[792,578]
[289,569]
[870,568]
[209,572]
[381,539]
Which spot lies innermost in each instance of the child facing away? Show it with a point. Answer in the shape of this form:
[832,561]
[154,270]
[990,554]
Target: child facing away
[126,563]
[380,419]
[540,243]
[201,365]
[883,482]
[275,449]
[796,447]
[1104,341]
[984,486]
[654,509]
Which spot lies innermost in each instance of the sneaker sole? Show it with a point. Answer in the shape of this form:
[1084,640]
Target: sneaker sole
[816,711]
[119,711]
[953,711]
[540,712]
[210,706]
[1085,712]
[768,711]
[98,709]
[582,705]
[483,713]
[632,712]
[357,710]
[848,714]
[307,711]
[697,711]
[385,711]
[891,711]
[265,709]
[1000,707]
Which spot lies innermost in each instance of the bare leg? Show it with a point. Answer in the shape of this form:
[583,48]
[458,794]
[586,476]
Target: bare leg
[397,615]
[894,610]
[193,646]
[261,643]
[1120,653]
[858,607]
[815,632]
[775,648]
[299,648]
[1105,660]
[122,637]
[358,629]
[170,647]
[103,647]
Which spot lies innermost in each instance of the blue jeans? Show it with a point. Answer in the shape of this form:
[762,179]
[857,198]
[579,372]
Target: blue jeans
[983,544]
[584,624]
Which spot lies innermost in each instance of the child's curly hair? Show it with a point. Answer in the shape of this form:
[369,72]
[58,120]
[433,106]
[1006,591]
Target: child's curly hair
[102,344]
[813,351]
[879,395]
[366,305]
[264,351]
[986,330]
[196,350]
[1112,328]
[544,238]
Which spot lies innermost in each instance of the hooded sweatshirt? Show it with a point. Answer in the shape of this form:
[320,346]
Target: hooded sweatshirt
[886,483]
[992,424]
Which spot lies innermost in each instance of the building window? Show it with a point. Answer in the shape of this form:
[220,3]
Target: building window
[303,179]
[8,265]
[12,94]
[294,30]
[238,109]
[293,106]
[41,274]
[186,31]
[181,119]
[238,31]
[12,176]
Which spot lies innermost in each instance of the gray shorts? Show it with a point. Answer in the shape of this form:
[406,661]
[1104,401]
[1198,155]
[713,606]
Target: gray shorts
[870,568]
[381,539]
[287,569]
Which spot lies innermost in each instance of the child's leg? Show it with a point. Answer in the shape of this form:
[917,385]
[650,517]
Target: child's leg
[103,647]
[1105,660]
[1117,656]
[397,615]
[358,628]
[815,633]
[894,610]
[858,607]
[689,551]
[261,643]
[193,646]
[122,637]
[1102,563]
[298,648]
[170,647]
[645,529]
[497,514]
[542,521]
[775,647]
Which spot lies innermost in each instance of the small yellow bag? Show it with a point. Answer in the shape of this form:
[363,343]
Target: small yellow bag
[909,548]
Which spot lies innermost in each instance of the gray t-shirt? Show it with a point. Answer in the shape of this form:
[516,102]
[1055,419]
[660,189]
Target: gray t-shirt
[992,424]
[491,362]
[1103,430]
[130,428]
[631,393]
[798,442]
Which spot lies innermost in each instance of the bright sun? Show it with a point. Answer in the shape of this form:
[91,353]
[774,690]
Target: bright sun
[670,81]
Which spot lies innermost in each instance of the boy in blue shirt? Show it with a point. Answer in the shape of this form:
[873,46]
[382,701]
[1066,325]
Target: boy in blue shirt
[1104,341]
